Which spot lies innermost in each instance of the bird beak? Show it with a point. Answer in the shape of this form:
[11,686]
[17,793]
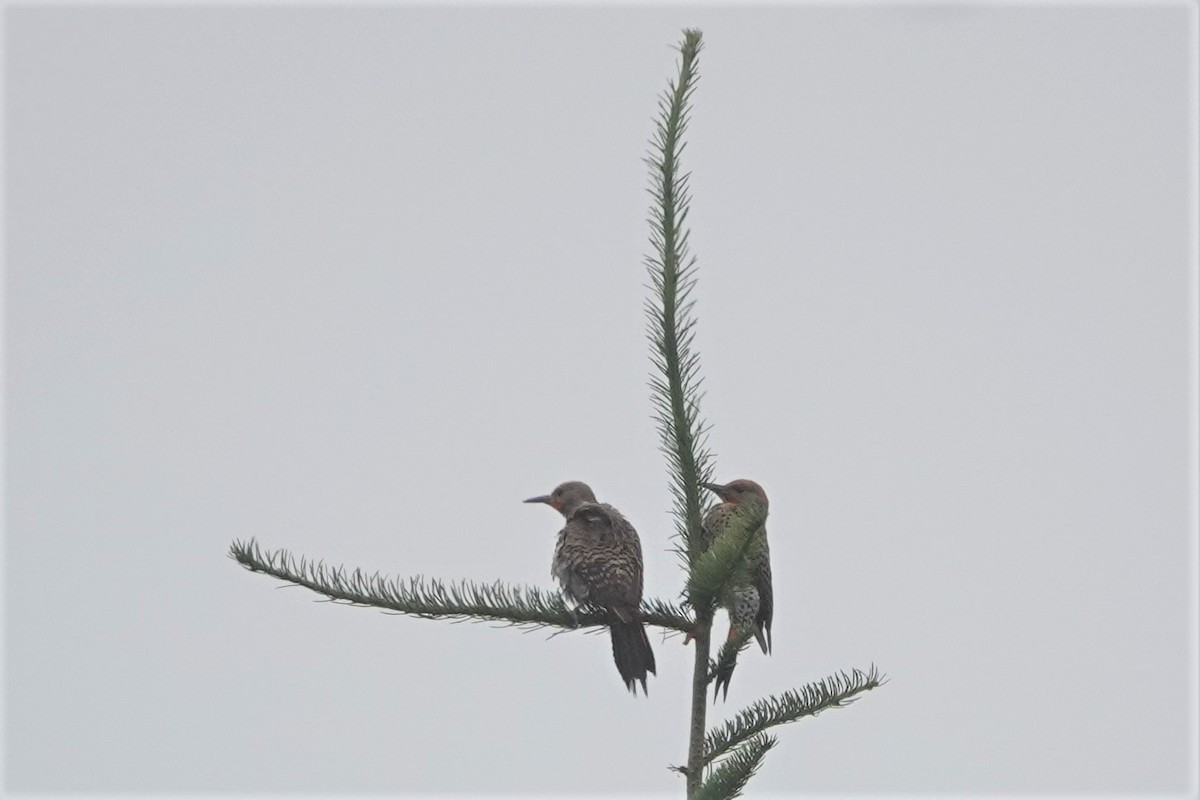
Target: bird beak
[542,498]
[714,487]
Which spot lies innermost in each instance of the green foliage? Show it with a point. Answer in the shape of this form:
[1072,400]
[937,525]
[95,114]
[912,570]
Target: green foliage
[675,388]
[725,565]
[729,779]
[675,385]
[527,607]
[836,691]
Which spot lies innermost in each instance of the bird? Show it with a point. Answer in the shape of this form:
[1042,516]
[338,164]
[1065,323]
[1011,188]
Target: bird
[598,561]
[751,607]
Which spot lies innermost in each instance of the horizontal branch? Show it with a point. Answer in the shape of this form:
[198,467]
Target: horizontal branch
[835,691]
[434,599]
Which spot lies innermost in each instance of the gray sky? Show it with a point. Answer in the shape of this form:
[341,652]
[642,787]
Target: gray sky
[355,282]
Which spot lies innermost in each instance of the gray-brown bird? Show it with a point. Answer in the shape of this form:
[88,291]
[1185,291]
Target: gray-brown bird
[751,606]
[598,561]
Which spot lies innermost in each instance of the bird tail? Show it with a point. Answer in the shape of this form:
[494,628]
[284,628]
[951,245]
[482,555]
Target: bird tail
[737,641]
[631,651]
[763,637]
[722,668]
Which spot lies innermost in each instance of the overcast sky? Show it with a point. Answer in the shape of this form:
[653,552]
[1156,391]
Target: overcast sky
[356,282]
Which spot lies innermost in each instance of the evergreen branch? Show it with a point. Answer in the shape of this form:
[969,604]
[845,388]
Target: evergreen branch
[729,779]
[725,565]
[527,607]
[675,390]
[836,691]
[721,670]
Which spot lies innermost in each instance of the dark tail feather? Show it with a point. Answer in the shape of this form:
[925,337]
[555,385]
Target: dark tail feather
[763,635]
[722,668]
[721,681]
[632,653]
[721,672]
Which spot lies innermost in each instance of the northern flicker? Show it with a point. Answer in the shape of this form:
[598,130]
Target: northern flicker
[598,561]
[751,606]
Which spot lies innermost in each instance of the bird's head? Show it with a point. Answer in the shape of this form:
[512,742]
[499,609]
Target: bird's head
[739,491]
[566,497]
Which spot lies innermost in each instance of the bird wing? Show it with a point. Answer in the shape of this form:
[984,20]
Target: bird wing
[766,595]
[601,557]
[630,545]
